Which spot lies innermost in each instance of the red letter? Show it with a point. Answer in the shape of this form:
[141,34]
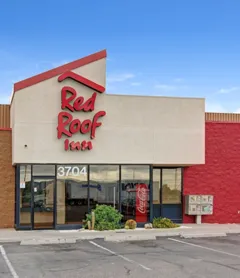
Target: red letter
[86,126]
[86,145]
[77,103]
[75,146]
[95,123]
[75,126]
[66,101]
[89,104]
[61,124]
[66,144]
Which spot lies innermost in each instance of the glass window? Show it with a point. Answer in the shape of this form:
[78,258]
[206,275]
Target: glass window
[25,195]
[72,194]
[135,185]
[43,170]
[171,186]
[104,185]
[43,202]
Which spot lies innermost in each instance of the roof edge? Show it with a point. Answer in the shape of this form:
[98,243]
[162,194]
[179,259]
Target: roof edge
[5,129]
[222,117]
[59,70]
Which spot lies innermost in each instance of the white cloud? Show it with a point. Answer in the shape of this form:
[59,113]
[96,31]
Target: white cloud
[178,80]
[215,107]
[237,111]
[5,99]
[61,63]
[135,84]
[46,65]
[119,77]
[42,64]
[165,87]
[228,90]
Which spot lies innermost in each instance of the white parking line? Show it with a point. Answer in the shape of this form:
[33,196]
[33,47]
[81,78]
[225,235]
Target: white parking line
[120,256]
[8,263]
[203,247]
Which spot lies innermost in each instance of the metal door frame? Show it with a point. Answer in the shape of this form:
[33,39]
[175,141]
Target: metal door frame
[161,168]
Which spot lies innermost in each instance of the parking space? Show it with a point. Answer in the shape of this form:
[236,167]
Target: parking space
[229,244]
[164,257]
[4,270]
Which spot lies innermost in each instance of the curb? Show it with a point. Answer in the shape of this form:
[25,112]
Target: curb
[129,238]
[169,234]
[48,241]
[117,237]
[233,232]
[203,235]
[9,240]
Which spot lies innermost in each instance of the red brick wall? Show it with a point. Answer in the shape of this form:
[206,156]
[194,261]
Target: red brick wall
[220,175]
[7,181]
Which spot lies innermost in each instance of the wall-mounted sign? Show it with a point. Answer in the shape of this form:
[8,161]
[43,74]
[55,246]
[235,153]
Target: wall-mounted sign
[67,124]
[199,204]
[22,185]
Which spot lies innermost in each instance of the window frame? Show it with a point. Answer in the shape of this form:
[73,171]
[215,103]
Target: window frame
[18,225]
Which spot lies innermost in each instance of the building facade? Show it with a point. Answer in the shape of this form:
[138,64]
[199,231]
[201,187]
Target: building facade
[67,145]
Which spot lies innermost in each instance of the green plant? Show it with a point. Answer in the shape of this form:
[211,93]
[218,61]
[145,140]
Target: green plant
[163,223]
[130,224]
[102,218]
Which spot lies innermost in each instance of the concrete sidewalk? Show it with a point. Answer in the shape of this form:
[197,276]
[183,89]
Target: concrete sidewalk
[72,236]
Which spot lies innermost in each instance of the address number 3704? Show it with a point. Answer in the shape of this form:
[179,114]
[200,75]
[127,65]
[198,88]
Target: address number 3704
[64,171]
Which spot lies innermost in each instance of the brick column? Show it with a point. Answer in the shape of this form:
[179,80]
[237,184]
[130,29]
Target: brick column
[7,181]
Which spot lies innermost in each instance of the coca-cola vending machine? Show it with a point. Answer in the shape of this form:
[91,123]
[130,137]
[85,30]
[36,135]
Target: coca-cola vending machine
[141,202]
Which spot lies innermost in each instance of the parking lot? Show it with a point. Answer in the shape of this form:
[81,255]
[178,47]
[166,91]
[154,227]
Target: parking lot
[164,257]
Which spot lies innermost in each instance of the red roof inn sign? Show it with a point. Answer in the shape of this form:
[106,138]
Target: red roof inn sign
[67,124]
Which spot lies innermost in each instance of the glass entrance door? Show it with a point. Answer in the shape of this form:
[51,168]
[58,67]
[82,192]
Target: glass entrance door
[167,193]
[43,202]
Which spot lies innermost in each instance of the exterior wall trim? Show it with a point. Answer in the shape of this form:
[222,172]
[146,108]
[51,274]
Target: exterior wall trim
[57,71]
[5,129]
[222,117]
[222,122]
[4,116]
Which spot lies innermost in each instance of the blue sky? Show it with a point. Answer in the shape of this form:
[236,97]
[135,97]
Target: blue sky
[156,47]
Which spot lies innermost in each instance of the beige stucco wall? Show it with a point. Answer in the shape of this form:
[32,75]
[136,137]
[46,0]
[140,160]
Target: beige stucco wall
[136,129]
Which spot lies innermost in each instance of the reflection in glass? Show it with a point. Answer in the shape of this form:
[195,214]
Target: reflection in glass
[135,185]
[43,202]
[72,194]
[43,170]
[156,185]
[25,195]
[171,186]
[104,185]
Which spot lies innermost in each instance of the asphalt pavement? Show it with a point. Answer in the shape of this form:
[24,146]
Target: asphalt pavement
[165,257]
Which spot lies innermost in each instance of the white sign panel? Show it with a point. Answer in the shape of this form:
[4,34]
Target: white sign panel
[22,185]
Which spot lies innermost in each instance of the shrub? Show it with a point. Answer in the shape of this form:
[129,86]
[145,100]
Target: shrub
[163,223]
[130,224]
[106,218]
